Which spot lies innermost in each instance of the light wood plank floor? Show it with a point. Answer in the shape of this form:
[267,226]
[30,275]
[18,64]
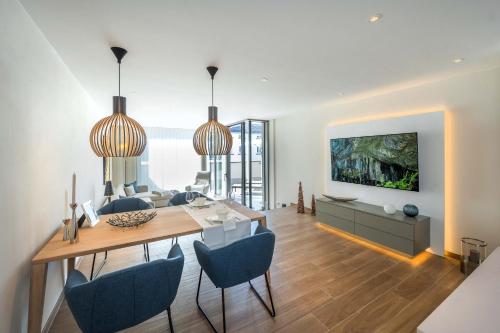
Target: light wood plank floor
[321,282]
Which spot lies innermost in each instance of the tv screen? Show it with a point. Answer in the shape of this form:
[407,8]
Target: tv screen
[389,161]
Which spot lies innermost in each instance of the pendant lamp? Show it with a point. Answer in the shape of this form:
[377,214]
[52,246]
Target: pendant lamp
[212,138]
[118,135]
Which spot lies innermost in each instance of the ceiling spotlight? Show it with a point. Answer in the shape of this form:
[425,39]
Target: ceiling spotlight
[340,93]
[458,60]
[375,18]
[264,79]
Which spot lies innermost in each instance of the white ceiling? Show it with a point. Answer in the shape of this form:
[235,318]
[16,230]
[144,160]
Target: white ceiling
[310,50]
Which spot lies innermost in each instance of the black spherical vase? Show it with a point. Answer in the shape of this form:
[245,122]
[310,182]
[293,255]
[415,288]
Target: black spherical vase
[410,210]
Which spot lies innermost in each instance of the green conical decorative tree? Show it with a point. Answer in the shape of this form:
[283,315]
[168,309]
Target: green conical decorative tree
[300,202]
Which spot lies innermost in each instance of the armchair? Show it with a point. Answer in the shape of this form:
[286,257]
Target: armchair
[237,263]
[127,297]
[201,183]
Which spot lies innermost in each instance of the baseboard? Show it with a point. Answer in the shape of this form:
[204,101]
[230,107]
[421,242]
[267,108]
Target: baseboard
[53,313]
[52,316]
[452,255]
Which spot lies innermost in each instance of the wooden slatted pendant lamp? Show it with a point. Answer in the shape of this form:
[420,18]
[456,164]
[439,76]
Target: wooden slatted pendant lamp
[118,135]
[212,138]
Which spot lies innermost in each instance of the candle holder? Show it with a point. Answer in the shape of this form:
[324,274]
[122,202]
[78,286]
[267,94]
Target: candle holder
[473,254]
[73,235]
[67,229]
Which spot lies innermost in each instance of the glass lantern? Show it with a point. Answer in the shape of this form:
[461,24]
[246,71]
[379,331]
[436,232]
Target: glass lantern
[473,254]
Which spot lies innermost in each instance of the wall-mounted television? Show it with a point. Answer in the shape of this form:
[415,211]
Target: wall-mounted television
[389,161]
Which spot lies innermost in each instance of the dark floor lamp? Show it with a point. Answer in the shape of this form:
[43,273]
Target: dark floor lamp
[108,190]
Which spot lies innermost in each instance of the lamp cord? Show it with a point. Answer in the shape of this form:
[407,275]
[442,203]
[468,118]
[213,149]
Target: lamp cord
[119,79]
[212,91]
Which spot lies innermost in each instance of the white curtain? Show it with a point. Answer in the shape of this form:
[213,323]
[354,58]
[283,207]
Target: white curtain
[169,161]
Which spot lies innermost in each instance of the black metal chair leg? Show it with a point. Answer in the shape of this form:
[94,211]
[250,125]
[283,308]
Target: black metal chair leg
[146,251]
[271,311]
[203,312]
[93,272]
[223,312]
[170,320]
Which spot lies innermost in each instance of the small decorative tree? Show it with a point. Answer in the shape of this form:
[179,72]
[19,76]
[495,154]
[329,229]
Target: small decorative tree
[313,206]
[300,201]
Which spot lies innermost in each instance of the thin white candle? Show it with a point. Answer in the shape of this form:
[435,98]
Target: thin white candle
[66,205]
[74,189]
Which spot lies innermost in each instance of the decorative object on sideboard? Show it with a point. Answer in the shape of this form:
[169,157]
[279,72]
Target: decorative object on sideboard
[118,135]
[410,210]
[90,213]
[390,209]
[473,253]
[74,237]
[341,199]
[212,138]
[66,228]
[108,190]
[300,200]
[131,219]
[313,206]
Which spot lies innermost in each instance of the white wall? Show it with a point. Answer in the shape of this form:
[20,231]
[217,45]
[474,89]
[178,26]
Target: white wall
[430,198]
[45,119]
[472,151]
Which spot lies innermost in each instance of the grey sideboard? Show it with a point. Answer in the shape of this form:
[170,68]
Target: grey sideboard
[410,235]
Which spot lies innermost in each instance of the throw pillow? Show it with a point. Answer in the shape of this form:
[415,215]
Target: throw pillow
[129,190]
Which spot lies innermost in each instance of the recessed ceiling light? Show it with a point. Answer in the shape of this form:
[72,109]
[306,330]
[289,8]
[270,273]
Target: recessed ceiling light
[375,18]
[458,60]
[340,93]
[264,79]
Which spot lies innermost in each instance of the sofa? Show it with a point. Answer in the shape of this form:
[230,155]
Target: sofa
[157,198]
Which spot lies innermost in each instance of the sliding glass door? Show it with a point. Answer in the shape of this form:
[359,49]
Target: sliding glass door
[247,164]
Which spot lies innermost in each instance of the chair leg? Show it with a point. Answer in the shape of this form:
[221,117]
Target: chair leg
[146,251]
[170,323]
[203,312]
[93,272]
[271,311]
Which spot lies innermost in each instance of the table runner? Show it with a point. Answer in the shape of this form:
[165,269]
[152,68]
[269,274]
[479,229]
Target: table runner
[216,235]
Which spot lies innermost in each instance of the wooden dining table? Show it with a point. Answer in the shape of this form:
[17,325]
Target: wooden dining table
[169,222]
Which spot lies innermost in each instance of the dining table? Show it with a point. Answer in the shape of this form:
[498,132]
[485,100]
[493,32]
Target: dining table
[169,223]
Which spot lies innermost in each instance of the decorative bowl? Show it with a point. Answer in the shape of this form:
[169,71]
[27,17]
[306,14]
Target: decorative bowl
[341,199]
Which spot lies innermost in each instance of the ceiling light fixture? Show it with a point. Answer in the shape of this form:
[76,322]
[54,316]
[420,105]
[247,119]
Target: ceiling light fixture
[118,135]
[264,79]
[458,60]
[375,18]
[212,138]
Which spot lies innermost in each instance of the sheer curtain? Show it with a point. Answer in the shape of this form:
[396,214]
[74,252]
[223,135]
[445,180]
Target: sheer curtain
[169,161]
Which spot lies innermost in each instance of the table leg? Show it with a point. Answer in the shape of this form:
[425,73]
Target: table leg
[71,264]
[38,281]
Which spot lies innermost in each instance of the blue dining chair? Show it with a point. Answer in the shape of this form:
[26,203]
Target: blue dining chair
[237,263]
[120,206]
[125,298]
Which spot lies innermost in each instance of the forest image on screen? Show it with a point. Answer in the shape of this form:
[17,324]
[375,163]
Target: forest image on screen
[389,161]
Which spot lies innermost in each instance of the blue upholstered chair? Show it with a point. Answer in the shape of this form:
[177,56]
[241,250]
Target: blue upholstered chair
[120,206]
[127,297]
[237,263]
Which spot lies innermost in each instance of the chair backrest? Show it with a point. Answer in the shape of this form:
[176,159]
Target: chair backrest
[237,262]
[124,298]
[202,178]
[124,205]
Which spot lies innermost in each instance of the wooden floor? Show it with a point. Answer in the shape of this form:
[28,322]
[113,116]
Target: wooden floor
[322,281]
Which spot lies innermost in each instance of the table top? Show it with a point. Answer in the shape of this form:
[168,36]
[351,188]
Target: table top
[170,222]
[473,306]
